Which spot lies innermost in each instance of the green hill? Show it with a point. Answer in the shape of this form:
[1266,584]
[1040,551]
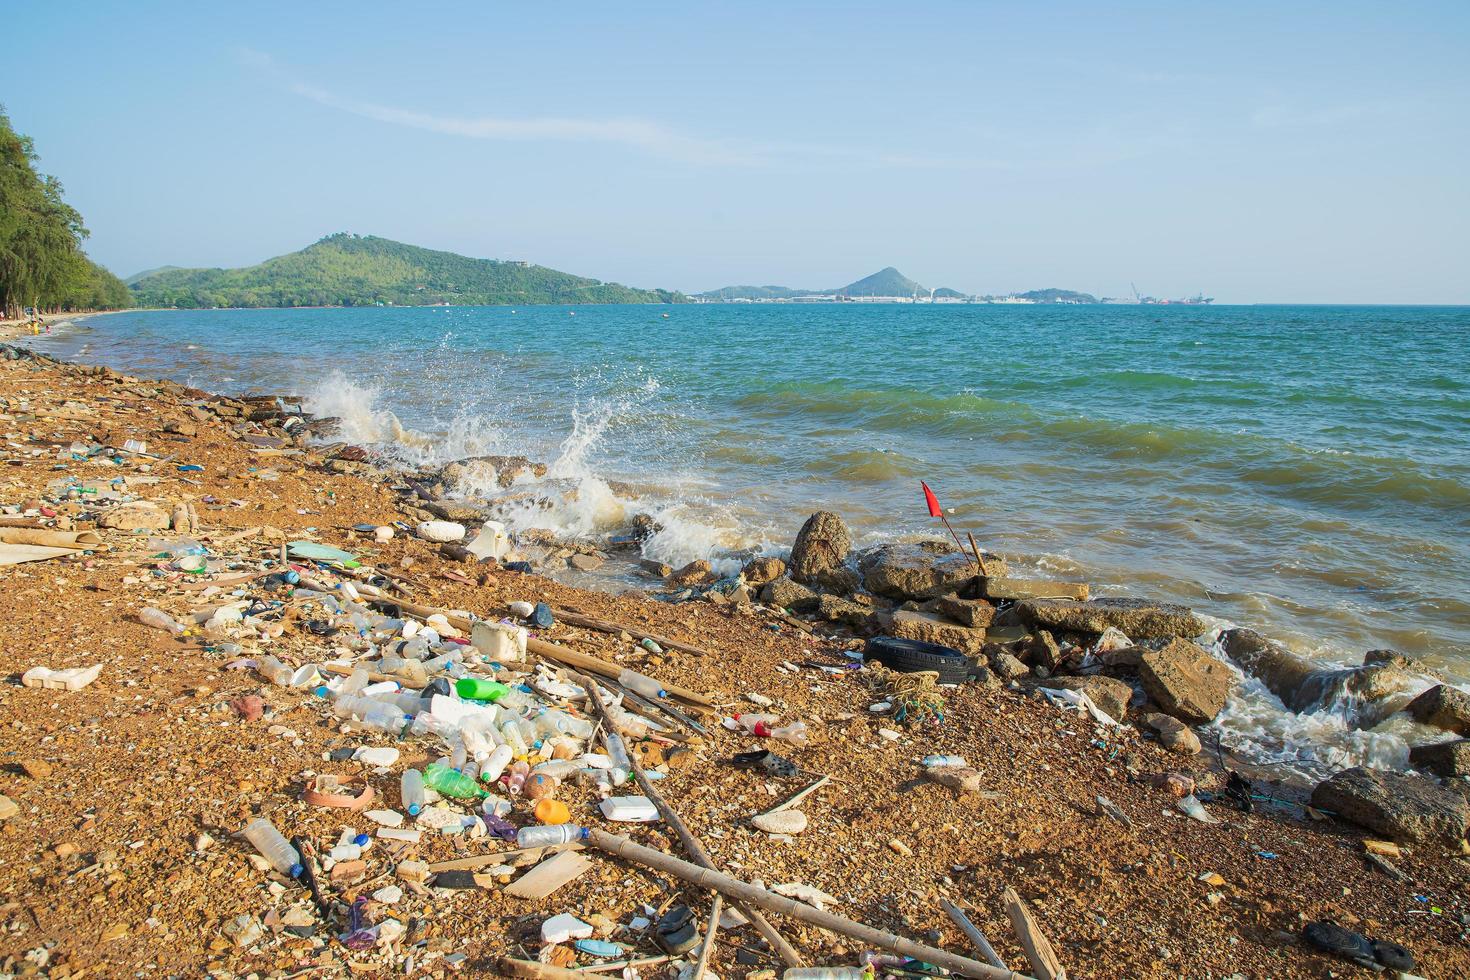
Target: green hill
[944,292]
[1058,296]
[886,282]
[353,270]
[139,276]
[756,292]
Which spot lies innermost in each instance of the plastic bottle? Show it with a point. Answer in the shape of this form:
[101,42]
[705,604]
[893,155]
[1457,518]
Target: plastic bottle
[794,733]
[512,734]
[447,782]
[345,852]
[554,721]
[470,770]
[826,973]
[622,765]
[480,689]
[519,770]
[756,724]
[274,671]
[548,835]
[495,765]
[160,620]
[356,681]
[641,684]
[943,761]
[411,790]
[371,713]
[273,846]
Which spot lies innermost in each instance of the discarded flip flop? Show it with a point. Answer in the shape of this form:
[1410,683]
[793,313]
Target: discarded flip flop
[1332,938]
[675,933]
[769,761]
[1394,956]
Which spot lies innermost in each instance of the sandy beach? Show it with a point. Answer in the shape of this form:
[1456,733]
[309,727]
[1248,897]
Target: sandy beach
[130,793]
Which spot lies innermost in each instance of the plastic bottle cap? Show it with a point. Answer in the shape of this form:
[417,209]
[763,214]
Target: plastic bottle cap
[296,870]
[362,840]
[413,810]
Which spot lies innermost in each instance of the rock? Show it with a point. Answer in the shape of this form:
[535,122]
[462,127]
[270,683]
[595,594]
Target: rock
[1123,661]
[8,808]
[250,707]
[822,544]
[1398,805]
[1363,693]
[655,568]
[586,563]
[456,511]
[1039,650]
[1174,734]
[1138,618]
[835,609]
[994,587]
[1186,681]
[838,581]
[924,570]
[930,628]
[1443,707]
[1108,693]
[1006,666]
[761,571]
[786,594]
[1443,758]
[961,779]
[36,768]
[780,822]
[695,573]
[967,612]
[139,515]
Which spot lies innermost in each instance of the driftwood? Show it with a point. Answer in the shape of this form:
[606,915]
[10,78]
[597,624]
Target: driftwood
[1034,944]
[536,971]
[692,844]
[973,931]
[736,889]
[717,905]
[605,626]
[798,796]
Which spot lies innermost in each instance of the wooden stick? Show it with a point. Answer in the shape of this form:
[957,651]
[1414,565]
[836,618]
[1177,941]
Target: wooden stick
[620,964]
[798,796]
[537,971]
[973,931]
[606,626]
[692,844]
[1034,944]
[716,907]
[737,889]
[603,668]
[976,548]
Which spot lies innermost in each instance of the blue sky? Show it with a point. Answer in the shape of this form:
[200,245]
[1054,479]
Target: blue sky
[1258,152]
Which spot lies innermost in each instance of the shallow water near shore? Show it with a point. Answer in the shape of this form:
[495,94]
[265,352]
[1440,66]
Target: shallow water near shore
[1301,470]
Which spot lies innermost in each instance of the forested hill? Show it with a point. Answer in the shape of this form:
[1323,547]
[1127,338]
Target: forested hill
[353,270]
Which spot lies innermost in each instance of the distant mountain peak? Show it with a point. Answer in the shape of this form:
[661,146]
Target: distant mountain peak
[885,282]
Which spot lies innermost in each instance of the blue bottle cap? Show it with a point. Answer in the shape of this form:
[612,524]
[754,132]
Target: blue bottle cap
[296,870]
[361,840]
[413,810]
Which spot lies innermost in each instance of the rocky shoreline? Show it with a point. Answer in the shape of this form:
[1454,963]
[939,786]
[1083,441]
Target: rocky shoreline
[101,844]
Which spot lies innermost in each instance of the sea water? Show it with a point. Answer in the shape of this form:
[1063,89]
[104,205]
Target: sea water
[1301,470]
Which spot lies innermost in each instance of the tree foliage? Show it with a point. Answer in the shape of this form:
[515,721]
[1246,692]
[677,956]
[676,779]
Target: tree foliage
[41,259]
[353,270]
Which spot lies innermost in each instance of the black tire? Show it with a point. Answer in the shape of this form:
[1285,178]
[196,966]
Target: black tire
[912,656]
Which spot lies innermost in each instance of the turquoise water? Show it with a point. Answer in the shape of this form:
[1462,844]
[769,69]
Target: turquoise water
[1302,470]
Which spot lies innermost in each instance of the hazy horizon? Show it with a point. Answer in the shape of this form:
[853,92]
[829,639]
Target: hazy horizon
[1255,154]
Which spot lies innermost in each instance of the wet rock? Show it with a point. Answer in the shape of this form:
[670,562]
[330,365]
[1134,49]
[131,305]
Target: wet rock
[1039,649]
[1174,734]
[975,613]
[760,571]
[1442,758]
[835,609]
[479,473]
[655,568]
[917,571]
[1443,707]
[1398,805]
[838,581]
[821,545]
[1137,618]
[694,573]
[586,563]
[1186,681]
[930,628]
[787,594]
[1365,694]
[995,587]
[455,510]
[1108,693]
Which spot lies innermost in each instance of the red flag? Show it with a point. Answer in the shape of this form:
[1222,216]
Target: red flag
[931,500]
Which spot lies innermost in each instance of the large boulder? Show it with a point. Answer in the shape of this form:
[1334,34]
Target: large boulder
[1443,707]
[1186,681]
[1446,759]
[698,572]
[759,571]
[835,609]
[967,612]
[821,545]
[1398,805]
[931,628]
[1138,618]
[1108,693]
[786,594]
[918,571]
[1366,694]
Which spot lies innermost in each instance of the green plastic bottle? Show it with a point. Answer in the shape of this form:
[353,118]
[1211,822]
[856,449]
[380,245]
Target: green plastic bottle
[480,689]
[451,782]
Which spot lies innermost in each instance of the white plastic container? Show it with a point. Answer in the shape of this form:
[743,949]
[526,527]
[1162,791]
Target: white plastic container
[440,531]
[376,755]
[499,641]
[629,809]
[491,542]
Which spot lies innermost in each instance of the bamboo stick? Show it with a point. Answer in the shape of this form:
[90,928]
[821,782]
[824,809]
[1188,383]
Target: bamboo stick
[692,844]
[973,931]
[717,905]
[737,889]
[607,626]
[976,548]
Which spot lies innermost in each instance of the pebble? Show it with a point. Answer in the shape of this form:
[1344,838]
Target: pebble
[890,734]
[899,847]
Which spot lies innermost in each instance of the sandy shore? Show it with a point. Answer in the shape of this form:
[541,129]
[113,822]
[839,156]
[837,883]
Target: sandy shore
[104,872]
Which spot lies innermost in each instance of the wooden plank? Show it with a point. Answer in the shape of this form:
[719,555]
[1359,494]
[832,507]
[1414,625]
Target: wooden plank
[1038,950]
[550,875]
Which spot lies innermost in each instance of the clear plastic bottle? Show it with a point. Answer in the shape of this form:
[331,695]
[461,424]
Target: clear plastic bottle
[274,671]
[622,765]
[447,782]
[411,790]
[545,836]
[345,852]
[641,684]
[554,721]
[826,973]
[794,733]
[160,620]
[371,713]
[512,734]
[273,846]
[356,681]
